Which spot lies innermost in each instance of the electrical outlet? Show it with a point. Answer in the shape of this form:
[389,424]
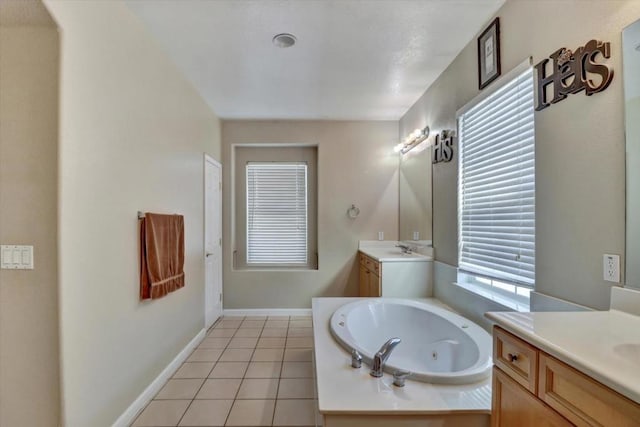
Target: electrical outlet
[416,235]
[380,235]
[611,268]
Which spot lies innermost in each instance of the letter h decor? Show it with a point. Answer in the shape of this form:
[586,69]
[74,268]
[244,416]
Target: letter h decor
[571,72]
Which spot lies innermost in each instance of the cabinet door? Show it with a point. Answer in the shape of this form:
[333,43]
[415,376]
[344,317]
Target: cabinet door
[512,405]
[363,287]
[375,289]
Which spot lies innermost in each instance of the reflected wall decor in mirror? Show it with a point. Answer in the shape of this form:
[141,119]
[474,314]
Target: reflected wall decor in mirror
[415,194]
[631,72]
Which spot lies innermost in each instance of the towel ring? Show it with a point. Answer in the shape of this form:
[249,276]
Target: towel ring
[353,212]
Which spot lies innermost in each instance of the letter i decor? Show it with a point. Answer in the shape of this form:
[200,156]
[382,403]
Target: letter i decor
[572,72]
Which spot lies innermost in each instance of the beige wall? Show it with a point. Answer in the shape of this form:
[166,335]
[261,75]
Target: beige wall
[29,386]
[356,164]
[580,154]
[132,137]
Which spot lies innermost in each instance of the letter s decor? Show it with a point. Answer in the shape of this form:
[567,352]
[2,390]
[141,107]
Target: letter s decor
[570,72]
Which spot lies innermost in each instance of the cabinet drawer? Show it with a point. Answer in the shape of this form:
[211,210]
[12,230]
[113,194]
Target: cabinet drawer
[512,405]
[516,358]
[363,259]
[582,400]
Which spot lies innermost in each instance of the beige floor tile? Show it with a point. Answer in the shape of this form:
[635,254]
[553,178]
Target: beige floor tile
[210,413]
[300,332]
[252,324]
[221,333]
[236,355]
[297,370]
[248,333]
[263,370]
[278,318]
[243,343]
[300,324]
[277,324]
[258,388]
[219,388]
[213,342]
[162,413]
[194,370]
[271,342]
[229,370]
[268,355]
[255,318]
[298,354]
[299,342]
[300,318]
[232,318]
[274,332]
[180,389]
[296,388]
[298,412]
[251,413]
[205,355]
[228,324]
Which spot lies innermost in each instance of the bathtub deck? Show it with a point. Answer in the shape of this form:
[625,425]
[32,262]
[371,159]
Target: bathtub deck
[344,391]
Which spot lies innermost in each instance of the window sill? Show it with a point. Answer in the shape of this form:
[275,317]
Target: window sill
[498,298]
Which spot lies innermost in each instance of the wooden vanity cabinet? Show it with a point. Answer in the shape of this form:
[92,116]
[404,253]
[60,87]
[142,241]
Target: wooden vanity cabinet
[370,284]
[532,388]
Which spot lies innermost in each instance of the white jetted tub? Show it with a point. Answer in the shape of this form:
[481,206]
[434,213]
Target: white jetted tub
[438,346]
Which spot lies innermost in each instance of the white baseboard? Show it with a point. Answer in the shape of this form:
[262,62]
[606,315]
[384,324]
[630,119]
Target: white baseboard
[147,395]
[233,312]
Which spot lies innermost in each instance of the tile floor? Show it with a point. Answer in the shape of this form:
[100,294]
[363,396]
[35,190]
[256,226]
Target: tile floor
[248,371]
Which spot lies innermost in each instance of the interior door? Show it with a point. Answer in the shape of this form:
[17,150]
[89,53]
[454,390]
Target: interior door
[212,240]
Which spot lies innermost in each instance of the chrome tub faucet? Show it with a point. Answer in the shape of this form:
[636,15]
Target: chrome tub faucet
[380,358]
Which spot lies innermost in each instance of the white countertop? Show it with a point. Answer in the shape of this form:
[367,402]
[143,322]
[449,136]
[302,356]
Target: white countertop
[393,254]
[342,389]
[603,344]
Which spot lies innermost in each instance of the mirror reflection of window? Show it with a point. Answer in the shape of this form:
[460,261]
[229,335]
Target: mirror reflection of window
[631,75]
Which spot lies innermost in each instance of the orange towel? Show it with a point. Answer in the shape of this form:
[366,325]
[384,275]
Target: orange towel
[161,255]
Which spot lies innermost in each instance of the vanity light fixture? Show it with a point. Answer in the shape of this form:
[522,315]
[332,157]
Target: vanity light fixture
[411,140]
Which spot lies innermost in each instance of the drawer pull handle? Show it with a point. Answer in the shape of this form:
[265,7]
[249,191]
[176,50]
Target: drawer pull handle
[512,357]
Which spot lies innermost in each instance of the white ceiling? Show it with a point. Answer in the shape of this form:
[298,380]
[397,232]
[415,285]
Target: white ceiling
[354,59]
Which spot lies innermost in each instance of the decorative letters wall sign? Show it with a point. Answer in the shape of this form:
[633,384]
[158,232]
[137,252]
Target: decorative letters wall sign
[572,72]
[443,147]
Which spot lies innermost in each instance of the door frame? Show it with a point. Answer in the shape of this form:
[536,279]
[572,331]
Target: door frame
[209,321]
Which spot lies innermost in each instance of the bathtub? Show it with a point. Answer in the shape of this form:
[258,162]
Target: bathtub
[438,346]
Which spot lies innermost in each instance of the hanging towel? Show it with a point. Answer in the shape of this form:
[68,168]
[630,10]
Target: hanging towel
[161,255]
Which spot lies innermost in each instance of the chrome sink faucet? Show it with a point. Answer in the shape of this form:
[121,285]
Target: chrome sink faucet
[406,249]
[381,357]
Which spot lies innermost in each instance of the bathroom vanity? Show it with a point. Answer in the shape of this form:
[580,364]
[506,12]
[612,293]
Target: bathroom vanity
[564,369]
[385,271]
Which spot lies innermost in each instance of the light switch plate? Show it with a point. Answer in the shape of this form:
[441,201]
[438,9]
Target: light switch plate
[16,257]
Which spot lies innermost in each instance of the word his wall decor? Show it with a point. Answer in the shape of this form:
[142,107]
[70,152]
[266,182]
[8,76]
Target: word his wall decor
[572,72]
[443,147]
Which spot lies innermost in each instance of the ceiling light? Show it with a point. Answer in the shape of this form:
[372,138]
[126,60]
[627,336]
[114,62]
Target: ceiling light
[284,40]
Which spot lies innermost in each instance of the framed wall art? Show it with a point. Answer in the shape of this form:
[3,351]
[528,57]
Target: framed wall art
[489,54]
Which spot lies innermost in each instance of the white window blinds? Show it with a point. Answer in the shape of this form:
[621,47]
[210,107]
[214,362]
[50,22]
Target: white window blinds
[277,213]
[497,184]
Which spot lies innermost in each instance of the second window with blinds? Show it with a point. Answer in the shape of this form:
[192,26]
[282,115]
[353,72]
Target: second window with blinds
[275,207]
[496,209]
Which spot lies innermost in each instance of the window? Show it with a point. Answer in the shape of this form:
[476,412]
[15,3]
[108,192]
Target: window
[497,186]
[274,218]
[276,213]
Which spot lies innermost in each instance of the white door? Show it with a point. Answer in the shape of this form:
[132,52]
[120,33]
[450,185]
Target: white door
[212,240]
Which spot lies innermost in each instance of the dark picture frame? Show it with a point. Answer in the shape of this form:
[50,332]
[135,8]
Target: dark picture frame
[489,54]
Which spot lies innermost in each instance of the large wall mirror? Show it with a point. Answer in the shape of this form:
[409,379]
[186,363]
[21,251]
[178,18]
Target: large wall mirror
[631,72]
[415,194]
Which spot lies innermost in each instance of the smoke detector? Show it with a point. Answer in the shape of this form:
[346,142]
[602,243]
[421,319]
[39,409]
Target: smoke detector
[284,40]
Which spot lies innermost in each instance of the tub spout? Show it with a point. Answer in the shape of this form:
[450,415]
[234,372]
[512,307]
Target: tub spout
[381,357]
